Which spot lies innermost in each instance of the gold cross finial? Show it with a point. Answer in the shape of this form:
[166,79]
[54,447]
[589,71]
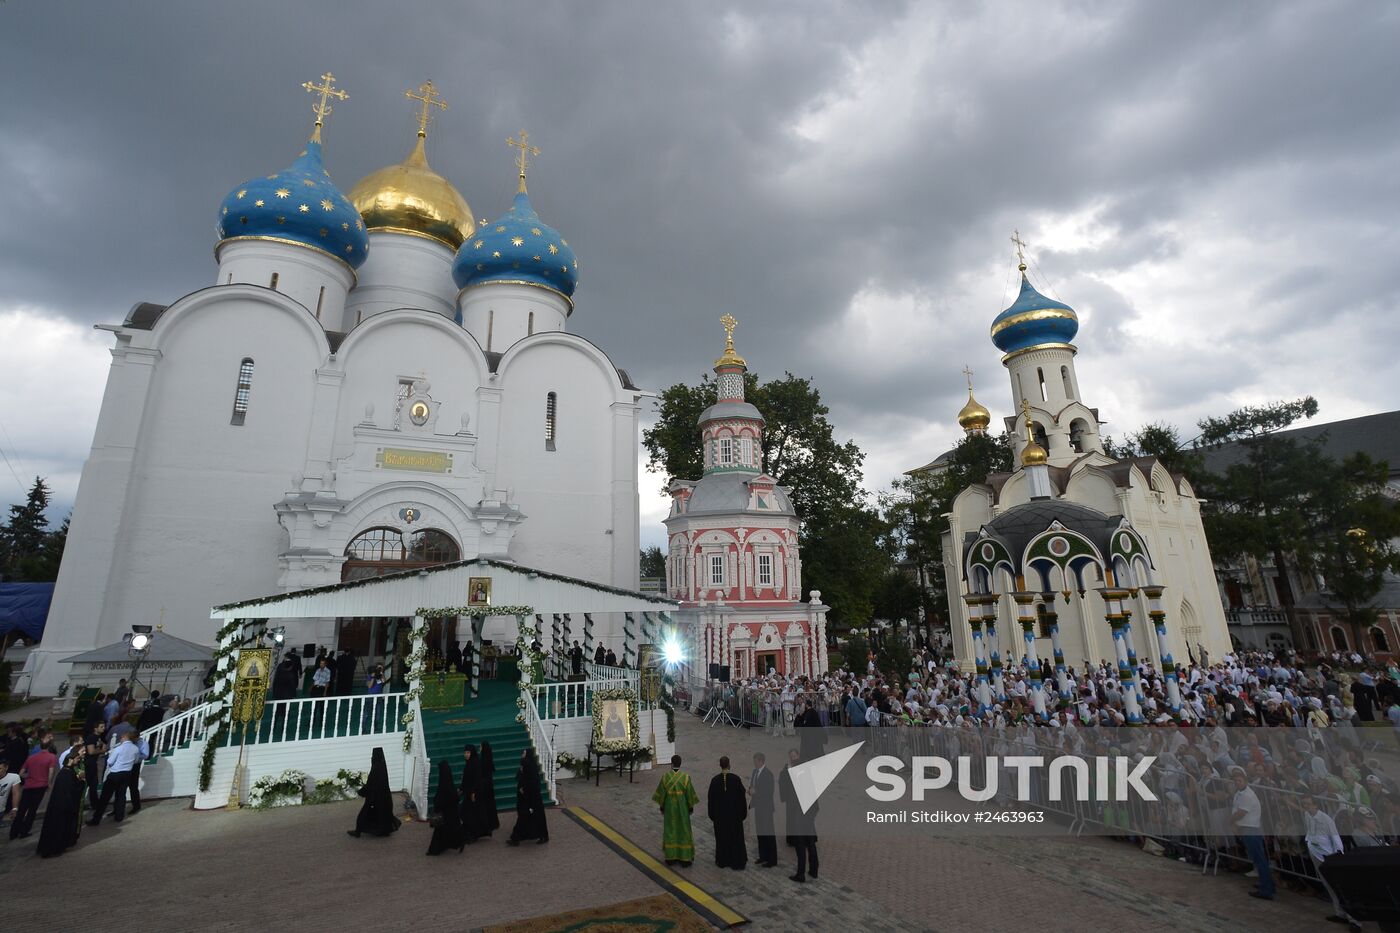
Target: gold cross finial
[1020,249]
[326,89]
[428,96]
[526,150]
[730,358]
[1026,410]
[968,373]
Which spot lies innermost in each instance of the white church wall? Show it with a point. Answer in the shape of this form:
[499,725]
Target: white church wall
[500,314]
[316,281]
[401,271]
[568,493]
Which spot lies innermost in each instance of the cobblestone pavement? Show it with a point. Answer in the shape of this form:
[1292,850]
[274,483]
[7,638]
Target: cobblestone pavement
[941,883]
[295,869]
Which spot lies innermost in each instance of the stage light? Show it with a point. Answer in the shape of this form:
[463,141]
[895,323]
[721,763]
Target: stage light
[139,641]
[279,636]
[671,651]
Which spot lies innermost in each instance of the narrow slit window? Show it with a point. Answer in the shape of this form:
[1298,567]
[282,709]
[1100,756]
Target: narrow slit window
[551,422]
[1064,377]
[490,327]
[242,391]
[716,570]
[1040,376]
[320,300]
[530,325]
[273,284]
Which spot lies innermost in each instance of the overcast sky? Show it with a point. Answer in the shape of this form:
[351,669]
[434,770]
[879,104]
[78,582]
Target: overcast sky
[1214,187]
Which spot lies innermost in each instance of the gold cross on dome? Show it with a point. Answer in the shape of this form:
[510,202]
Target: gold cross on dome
[428,96]
[326,89]
[1020,248]
[968,373]
[526,150]
[729,323]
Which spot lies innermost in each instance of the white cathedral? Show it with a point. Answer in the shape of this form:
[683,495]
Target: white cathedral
[371,382]
[1072,555]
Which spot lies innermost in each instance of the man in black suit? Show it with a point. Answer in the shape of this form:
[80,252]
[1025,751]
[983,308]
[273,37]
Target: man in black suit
[761,803]
[801,827]
[576,659]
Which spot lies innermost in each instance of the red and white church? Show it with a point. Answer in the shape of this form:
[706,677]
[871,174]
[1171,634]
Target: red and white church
[733,559]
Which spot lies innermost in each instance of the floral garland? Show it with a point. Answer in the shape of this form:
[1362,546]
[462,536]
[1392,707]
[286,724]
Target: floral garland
[417,662]
[613,746]
[526,671]
[279,791]
[483,611]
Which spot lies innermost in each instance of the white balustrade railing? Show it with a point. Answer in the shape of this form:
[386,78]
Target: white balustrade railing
[175,731]
[571,700]
[543,750]
[324,718]
[609,672]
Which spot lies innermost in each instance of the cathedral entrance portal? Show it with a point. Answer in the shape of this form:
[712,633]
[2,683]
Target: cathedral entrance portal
[374,553]
[768,660]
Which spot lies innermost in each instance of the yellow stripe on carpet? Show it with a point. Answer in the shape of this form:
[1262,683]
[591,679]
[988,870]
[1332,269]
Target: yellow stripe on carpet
[687,891]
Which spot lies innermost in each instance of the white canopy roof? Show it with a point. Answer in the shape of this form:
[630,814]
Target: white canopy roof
[402,594]
[164,647]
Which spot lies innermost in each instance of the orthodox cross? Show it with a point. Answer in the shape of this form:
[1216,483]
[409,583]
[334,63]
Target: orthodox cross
[326,89]
[1020,248]
[526,150]
[1030,425]
[729,323]
[968,373]
[428,95]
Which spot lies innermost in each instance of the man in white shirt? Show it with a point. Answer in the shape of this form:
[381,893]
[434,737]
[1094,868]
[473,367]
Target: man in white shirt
[1247,815]
[1320,833]
[9,791]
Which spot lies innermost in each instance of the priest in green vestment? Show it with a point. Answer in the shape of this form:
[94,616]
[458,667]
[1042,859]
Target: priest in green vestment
[677,798]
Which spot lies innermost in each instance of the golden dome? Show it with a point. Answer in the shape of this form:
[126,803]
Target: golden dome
[412,198]
[974,415]
[1033,455]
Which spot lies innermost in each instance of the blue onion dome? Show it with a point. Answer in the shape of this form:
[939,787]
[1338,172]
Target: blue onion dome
[1033,320]
[297,205]
[517,248]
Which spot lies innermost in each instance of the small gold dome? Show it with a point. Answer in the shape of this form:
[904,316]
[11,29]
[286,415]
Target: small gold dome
[974,415]
[412,198]
[1033,455]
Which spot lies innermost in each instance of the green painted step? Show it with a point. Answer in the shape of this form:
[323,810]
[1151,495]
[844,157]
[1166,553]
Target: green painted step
[494,712]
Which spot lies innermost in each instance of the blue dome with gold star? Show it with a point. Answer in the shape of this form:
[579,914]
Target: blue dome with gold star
[298,205]
[1033,320]
[517,248]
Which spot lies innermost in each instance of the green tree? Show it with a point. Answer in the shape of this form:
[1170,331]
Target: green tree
[29,551]
[914,510]
[843,554]
[1160,440]
[653,564]
[1355,547]
[1264,504]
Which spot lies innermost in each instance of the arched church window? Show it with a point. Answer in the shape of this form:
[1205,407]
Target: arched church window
[1339,639]
[1064,377]
[241,391]
[378,551]
[1378,639]
[1077,429]
[431,546]
[551,424]
[1040,437]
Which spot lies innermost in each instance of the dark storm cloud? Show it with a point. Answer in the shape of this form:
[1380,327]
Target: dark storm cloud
[1203,182]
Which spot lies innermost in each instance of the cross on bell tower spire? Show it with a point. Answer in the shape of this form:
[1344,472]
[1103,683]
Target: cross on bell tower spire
[1020,250]
[526,150]
[428,97]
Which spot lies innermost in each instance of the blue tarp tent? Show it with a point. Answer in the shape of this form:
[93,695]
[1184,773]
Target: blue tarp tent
[24,606]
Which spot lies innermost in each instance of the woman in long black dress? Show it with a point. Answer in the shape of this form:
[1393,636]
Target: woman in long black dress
[447,833]
[62,820]
[491,821]
[377,815]
[529,803]
[472,826]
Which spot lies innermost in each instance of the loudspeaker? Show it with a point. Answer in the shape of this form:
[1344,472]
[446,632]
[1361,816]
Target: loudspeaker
[714,672]
[724,674]
[308,650]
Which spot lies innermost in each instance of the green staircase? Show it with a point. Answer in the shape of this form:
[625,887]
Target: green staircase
[494,713]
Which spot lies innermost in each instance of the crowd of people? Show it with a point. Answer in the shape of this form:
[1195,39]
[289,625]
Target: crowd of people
[1319,770]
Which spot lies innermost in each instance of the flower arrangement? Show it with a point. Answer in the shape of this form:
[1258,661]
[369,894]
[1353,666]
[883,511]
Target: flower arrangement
[483,611]
[580,766]
[343,786]
[284,790]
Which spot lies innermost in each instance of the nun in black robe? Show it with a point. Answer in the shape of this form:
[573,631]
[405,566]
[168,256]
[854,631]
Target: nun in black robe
[377,815]
[529,803]
[491,819]
[284,679]
[473,825]
[447,832]
[62,819]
